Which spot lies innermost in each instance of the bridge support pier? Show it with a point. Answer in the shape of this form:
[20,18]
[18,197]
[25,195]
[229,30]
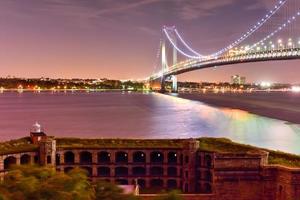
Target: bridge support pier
[163,85]
[174,84]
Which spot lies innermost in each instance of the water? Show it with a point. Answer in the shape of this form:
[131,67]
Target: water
[138,115]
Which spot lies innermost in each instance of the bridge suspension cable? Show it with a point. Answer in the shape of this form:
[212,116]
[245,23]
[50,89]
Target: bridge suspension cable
[254,28]
[278,29]
[177,48]
[185,44]
[251,31]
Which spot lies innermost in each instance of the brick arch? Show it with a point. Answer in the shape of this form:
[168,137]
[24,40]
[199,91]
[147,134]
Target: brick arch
[141,183]
[121,157]
[208,160]
[207,188]
[208,176]
[69,157]
[103,171]
[9,161]
[25,159]
[156,183]
[172,184]
[157,171]
[139,171]
[172,157]
[86,157]
[103,157]
[157,157]
[139,157]
[172,171]
[121,171]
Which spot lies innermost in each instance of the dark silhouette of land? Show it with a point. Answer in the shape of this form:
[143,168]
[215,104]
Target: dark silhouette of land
[279,105]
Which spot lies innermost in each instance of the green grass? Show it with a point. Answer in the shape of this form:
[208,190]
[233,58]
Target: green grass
[115,143]
[224,145]
[17,146]
[220,145]
[285,159]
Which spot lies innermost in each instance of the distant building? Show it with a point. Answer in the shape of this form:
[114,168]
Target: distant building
[240,80]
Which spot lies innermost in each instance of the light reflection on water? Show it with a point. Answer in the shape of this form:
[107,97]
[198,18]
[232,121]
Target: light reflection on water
[137,115]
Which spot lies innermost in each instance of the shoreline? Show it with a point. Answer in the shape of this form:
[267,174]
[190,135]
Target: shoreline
[286,108]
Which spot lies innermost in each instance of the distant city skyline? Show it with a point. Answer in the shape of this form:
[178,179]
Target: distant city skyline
[119,39]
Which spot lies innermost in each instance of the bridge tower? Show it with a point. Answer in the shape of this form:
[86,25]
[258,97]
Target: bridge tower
[174,77]
[163,65]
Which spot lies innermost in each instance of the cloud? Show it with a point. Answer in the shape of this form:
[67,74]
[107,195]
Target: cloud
[149,30]
[194,9]
[262,4]
[126,6]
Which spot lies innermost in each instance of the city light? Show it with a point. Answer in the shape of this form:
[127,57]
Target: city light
[265,84]
[296,89]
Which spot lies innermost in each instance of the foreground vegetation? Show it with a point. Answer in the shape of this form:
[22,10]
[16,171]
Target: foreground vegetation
[221,145]
[44,183]
[40,183]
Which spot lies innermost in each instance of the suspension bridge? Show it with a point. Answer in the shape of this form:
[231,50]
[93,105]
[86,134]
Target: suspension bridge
[274,37]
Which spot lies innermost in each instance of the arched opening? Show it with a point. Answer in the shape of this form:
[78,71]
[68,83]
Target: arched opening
[103,171]
[208,176]
[69,157]
[186,188]
[198,160]
[121,157]
[122,181]
[207,188]
[157,171]
[198,188]
[103,157]
[85,157]
[89,171]
[208,161]
[186,174]
[49,160]
[139,157]
[198,174]
[121,171]
[172,158]
[36,159]
[67,169]
[9,161]
[141,183]
[172,184]
[186,159]
[139,171]
[172,171]
[25,159]
[57,159]
[157,157]
[156,183]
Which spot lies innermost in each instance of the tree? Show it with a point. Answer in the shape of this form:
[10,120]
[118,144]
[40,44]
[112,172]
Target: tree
[44,183]
[37,183]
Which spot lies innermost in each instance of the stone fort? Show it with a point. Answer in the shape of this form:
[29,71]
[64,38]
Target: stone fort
[164,164]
